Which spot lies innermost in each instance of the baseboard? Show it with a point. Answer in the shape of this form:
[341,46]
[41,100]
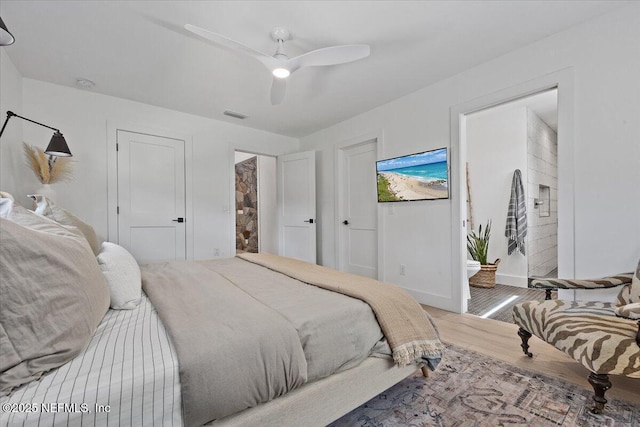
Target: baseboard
[438,301]
[508,279]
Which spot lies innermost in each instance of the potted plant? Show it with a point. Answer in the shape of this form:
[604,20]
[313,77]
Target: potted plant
[478,247]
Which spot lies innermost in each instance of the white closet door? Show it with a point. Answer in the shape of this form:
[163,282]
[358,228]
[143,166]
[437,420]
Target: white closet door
[151,196]
[297,205]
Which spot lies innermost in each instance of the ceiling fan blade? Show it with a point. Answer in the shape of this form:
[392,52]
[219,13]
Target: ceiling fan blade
[278,89]
[269,61]
[331,55]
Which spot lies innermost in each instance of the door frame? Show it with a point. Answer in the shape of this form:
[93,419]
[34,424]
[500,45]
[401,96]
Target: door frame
[112,175]
[562,79]
[338,191]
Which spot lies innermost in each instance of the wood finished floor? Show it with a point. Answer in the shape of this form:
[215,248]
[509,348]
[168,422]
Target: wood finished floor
[500,341]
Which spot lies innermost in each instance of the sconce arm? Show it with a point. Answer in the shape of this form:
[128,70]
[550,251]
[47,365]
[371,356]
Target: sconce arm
[12,114]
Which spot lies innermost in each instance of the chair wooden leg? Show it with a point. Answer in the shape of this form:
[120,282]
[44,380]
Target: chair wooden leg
[425,372]
[600,384]
[524,336]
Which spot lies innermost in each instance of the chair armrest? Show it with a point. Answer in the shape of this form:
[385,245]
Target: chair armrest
[605,282]
[629,311]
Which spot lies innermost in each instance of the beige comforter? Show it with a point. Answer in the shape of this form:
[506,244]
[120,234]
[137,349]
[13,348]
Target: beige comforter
[407,327]
[245,334]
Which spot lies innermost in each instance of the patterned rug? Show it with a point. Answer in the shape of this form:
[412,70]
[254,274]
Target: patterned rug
[470,389]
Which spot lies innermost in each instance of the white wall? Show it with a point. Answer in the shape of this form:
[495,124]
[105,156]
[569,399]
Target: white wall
[84,116]
[11,142]
[496,147]
[603,56]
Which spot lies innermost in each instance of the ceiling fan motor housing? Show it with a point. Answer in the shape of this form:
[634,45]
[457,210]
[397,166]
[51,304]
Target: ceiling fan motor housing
[279,33]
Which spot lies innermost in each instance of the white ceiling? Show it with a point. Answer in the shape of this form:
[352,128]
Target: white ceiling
[139,50]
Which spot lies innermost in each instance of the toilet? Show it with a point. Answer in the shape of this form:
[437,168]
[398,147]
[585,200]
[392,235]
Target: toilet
[472,268]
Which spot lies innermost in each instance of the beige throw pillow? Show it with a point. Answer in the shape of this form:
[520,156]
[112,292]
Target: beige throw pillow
[47,208]
[26,218]
[53,298]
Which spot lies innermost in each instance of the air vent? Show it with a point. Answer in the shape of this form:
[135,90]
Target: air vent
[235,115]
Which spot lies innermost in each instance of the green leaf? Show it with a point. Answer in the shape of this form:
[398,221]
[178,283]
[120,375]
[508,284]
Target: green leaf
[478,244]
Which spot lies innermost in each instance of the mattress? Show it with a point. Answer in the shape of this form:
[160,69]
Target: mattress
[127,375]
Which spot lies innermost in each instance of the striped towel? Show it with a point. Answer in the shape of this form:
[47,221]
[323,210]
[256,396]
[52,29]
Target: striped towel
[516,228]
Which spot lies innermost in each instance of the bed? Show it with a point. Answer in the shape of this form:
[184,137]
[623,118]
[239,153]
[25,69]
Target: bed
[275,350]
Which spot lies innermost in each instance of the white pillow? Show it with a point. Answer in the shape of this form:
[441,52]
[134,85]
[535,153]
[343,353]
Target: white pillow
[123,276]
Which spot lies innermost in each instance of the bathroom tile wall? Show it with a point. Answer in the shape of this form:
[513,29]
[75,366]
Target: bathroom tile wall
[542,163]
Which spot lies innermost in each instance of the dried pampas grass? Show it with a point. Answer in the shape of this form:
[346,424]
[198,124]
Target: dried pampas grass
[48,169]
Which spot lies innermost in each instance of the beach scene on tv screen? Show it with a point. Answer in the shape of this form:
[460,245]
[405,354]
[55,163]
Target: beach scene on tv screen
[421,176]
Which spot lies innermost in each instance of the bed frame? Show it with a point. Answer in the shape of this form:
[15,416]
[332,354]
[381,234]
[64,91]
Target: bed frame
[320,402]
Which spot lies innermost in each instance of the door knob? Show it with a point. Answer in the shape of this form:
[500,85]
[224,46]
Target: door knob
[345,222]
[178,220]
[310,220]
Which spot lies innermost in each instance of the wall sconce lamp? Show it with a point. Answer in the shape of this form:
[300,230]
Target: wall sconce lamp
[57,146]
[5,36]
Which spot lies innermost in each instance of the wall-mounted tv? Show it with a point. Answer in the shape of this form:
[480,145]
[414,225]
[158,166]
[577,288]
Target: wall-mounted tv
[420,176]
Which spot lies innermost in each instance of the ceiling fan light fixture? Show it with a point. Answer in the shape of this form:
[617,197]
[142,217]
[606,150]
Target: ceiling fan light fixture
[281,73]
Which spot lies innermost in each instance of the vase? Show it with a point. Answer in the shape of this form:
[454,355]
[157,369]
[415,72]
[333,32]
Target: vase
[46,190]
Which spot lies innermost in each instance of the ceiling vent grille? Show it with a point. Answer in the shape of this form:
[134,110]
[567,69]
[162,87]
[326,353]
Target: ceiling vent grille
[235,115]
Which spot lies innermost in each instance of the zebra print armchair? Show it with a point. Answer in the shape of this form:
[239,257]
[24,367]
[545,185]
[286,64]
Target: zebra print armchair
[604,337]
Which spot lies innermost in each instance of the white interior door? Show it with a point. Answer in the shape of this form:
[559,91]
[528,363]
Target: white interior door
[297,205]
[151,196]
[358,210]
[267,205]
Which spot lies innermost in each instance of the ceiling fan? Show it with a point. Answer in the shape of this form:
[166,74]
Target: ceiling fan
[280,65]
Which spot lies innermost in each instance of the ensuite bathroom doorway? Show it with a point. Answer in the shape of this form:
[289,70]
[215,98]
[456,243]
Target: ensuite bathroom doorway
[255,203]
[519,135]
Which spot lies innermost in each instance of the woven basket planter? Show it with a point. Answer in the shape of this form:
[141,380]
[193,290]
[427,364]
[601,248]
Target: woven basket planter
[486,277]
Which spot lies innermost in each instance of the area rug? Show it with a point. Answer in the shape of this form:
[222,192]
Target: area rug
[470,389]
